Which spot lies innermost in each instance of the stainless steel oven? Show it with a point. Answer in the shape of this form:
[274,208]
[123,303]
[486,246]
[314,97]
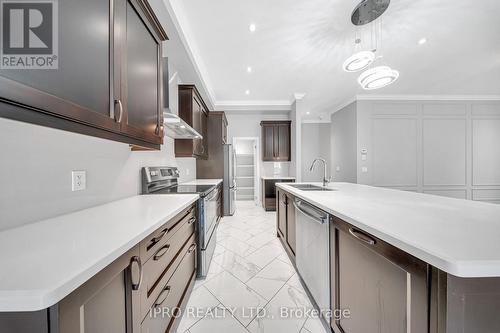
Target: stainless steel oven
[164,180]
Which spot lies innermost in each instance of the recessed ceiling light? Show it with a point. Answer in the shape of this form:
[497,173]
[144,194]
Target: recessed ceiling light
[252,27]
[247,92]
[422,41]
[308,112]
[249,69]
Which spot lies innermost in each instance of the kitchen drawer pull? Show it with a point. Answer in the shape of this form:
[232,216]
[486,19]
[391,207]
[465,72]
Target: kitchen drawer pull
[158,238]
[162,297]
[192,248]
[192,220]
[362,236]
[161,252]
[137,260]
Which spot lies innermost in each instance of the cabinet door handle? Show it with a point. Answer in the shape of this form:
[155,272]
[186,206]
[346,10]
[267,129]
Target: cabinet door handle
[192,220]
[362,236]
[162,297]
[120,110]
[137,260]
[161,252]
[192,248]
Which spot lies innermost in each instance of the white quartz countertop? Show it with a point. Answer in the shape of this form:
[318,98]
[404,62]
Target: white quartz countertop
[203,182]
[43,262]
[460,237]
[277,177]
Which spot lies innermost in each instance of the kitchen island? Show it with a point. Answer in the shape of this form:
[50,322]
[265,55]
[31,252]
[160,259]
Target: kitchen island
[405,261]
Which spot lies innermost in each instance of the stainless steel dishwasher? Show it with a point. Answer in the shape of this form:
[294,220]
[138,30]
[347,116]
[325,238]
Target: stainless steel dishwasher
[313,251]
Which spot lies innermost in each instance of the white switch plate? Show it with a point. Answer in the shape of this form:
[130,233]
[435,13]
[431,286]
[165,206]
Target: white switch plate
[78,180]
[188,172]
[337,168]
[364,169]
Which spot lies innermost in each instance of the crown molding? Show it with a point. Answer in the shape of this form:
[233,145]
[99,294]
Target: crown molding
[428,97]
[177,15]
[238,106]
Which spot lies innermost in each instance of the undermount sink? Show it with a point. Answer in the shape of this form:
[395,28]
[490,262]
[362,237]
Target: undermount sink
[310,187]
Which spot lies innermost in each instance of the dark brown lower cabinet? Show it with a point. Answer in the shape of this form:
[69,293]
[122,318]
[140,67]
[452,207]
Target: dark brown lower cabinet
[285,223]
[281,214]
[290,224]
[143,290]
[384,289]
[105,302]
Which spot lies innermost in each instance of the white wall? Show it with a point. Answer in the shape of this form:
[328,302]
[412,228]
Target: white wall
[344,144]
[315,144]
[36,165]
[448,148]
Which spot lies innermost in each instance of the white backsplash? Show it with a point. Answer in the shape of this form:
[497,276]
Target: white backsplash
[275,169]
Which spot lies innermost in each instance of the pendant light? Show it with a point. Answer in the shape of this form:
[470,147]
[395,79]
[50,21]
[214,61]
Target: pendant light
[380,76]
[359,61]
[377,77]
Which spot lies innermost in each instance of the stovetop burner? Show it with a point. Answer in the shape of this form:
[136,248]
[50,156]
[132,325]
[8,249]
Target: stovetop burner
[165,180]
[202,190]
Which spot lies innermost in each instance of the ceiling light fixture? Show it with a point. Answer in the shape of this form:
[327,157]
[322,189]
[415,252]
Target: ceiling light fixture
[422,41]
[377,77]
[359,61]
[252,27]
[308,113]
[247,92]
[249,69]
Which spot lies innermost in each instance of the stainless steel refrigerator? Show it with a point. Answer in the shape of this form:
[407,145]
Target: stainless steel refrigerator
[229,180]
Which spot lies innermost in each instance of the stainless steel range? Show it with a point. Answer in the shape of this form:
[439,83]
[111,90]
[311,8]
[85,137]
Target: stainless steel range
[164,180]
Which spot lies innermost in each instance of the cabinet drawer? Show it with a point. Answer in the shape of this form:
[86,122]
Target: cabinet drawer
[162,258]
[149,295]
[166,304]
[151,244]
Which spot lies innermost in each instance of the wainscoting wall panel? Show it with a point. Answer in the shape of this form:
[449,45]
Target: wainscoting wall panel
[448,148]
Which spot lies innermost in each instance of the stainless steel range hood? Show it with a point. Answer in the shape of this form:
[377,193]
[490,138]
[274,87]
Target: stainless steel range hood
[173,125]
[177,128]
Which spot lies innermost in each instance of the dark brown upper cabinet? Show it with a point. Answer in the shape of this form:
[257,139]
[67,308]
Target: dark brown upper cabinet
[108,80]
[276,141]
[193,110]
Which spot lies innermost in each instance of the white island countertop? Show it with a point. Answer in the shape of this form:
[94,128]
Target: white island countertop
[43,262]
[203,182]
[460,237]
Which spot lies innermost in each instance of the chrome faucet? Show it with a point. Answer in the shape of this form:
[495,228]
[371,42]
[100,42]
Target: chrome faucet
[326,180]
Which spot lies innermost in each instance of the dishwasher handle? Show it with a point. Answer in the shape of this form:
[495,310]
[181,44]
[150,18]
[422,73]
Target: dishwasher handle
[310,211]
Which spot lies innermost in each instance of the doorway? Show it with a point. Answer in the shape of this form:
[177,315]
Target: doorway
[246,168]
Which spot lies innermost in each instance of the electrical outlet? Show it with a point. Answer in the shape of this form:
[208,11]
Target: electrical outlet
[337,168]
[78,180]
[364,169]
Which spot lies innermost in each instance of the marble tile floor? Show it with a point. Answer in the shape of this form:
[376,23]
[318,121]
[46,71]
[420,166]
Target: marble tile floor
[251,285]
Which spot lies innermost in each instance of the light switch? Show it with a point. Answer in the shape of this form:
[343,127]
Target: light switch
[337,168]
[363,157]
[364,169]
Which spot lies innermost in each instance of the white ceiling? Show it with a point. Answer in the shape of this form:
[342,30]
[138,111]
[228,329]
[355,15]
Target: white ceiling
[299,47]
